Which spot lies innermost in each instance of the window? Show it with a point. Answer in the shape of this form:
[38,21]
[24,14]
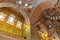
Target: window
[11,19]
[2,16]
[19,24]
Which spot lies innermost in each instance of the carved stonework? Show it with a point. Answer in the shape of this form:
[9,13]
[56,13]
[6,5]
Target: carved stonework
[45,12]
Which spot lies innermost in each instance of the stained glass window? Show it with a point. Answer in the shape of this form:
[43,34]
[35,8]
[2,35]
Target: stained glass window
[19,24]
[2,16]
[11,19]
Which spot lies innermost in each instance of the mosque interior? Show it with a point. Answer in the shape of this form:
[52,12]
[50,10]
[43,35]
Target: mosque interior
[29,19]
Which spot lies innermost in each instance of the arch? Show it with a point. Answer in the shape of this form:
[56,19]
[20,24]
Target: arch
[27,20]
[39,9]
[7,4]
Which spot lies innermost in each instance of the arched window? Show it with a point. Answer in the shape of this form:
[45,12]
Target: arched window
[2,16]
[19,24]
[11,19]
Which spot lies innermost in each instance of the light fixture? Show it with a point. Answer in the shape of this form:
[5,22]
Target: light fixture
[50,25]
[30,6]
[20,2]
[26,4]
